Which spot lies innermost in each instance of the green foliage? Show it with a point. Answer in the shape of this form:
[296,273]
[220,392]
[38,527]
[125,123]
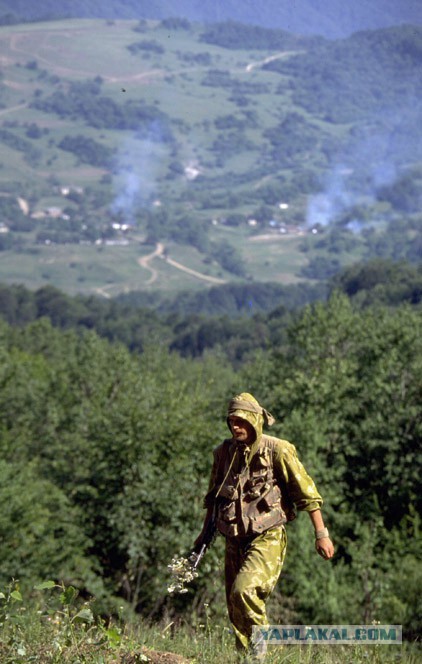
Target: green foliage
[321,267]
[146,45]
[292,138]
[56,627]
[179,324]
[228,144]
[338,241]
[7,243]
[405,194]
[31,155]
[191,324]
[229,258]
[34,131]
[387,64]
[381,281]
[104,454]
[87,150]
[83,101]
[216,78]
[233,35]
[400,242]
[39,528]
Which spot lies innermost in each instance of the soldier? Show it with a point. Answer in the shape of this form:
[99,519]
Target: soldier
[257,482]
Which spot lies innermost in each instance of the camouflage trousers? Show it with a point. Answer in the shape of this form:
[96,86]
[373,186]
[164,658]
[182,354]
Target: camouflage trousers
[252,569]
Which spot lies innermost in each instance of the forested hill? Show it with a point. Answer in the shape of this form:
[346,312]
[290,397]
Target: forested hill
[237,320]
[331,18]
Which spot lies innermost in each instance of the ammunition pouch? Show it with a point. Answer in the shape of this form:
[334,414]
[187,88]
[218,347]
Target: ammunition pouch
[251,501]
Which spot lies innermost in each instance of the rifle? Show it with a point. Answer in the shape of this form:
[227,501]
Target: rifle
[184,569]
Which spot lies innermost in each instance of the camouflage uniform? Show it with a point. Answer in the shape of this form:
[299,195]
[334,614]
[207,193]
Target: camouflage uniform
[255,489]
[252,569]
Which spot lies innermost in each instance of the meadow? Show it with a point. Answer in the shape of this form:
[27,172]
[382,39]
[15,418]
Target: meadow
[110,270]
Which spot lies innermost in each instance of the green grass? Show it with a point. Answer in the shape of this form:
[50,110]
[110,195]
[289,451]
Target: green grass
[76,268]
[208,644]
[275,258]
[52,625]
[103,270]
[54,639]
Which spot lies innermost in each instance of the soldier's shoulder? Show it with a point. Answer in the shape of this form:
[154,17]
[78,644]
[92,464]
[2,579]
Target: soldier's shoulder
[222,447]
[278,445]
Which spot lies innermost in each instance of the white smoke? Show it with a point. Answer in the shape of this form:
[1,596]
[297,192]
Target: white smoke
[138,165]
[324,207]
[368,161]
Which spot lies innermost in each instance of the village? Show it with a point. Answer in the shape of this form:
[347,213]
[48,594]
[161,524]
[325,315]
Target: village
[118,232]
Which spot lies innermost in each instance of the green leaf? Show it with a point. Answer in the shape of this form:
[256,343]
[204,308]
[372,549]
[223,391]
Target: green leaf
[44,585]
[16,595]
[85,615]
[2,596]
[114,637]
[70,593]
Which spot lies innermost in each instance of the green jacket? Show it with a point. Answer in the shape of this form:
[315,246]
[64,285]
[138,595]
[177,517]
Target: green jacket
[258,486]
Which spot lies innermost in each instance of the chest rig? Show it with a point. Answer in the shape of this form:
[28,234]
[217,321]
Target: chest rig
[249,498]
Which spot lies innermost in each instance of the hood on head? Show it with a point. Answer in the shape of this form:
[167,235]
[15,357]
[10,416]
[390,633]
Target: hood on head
[245,405]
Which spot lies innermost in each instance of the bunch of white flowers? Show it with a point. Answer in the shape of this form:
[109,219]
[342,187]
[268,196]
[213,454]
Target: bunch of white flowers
[183,571]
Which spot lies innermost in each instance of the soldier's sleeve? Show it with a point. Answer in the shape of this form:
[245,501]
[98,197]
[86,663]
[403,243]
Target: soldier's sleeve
[294,479]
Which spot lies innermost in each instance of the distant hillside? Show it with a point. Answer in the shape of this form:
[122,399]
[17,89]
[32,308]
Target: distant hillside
[330,18]
[172,156]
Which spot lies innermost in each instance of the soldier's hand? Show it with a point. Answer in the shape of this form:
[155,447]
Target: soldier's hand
[325,548]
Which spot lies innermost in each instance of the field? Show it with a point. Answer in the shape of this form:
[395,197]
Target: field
[109,270]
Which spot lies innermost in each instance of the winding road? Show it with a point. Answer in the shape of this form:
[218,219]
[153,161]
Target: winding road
[145,261]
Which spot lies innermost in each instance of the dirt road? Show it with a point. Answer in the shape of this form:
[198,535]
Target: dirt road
[194,273]
[145,261]
[276,56]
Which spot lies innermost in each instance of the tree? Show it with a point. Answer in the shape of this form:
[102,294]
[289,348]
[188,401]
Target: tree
[382,281]
[41,531]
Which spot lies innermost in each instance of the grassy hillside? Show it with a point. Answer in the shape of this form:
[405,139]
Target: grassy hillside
[210,152]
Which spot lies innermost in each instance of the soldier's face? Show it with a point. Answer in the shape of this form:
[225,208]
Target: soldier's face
[242,430]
